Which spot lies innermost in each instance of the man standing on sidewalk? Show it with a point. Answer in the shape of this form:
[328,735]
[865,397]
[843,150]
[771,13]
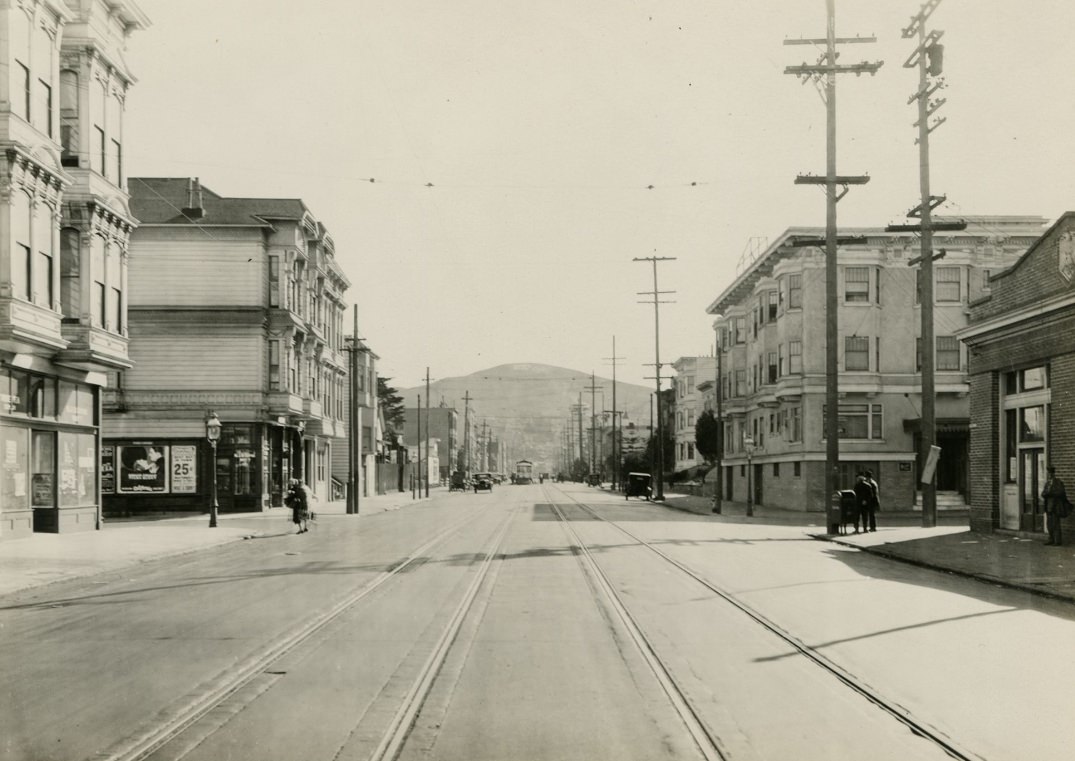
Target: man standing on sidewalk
[1055,498]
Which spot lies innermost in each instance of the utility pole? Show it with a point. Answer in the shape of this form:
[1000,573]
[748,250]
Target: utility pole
[826,68]
[427,432]
[718,345]
[592,388]
[418,445]
[485,446]
[928,59]
[354,423]
[466,432]
[615,412]
[656,293]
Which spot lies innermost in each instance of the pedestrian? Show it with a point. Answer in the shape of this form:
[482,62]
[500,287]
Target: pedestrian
[300,507]
[862,496]
[873,502]
[1057,506]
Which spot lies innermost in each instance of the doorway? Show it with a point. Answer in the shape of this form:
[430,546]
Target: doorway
[1031,481]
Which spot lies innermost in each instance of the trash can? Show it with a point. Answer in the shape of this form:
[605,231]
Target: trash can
[843,508]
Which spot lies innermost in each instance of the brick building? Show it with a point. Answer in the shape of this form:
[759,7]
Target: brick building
[771,330]
[1021,342]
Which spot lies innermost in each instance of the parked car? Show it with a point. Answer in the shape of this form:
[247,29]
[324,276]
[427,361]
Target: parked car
[638,485]
[483,482]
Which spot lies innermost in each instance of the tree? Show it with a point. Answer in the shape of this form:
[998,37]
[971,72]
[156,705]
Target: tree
[669,450]
[579,469]
[707,436]
[391,405]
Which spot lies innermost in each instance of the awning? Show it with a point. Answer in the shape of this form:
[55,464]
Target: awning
[940,425]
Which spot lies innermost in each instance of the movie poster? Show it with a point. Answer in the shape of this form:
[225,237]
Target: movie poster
[142,468]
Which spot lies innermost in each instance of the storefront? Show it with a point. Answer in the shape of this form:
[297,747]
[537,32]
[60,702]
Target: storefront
[252,464]
[49,461]
[1022,381]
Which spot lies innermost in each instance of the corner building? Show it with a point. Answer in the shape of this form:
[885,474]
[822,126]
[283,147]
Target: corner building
[1021,346]
[771,329]
[236,308]
[65,227]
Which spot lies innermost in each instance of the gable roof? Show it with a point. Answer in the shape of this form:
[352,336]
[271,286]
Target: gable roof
[161,200]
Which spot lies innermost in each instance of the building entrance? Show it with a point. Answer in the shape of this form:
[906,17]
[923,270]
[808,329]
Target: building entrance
[1031,482]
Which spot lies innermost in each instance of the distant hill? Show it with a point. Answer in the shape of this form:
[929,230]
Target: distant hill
[527,406]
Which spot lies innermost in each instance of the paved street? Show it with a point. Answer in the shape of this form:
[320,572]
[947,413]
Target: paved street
[554,621]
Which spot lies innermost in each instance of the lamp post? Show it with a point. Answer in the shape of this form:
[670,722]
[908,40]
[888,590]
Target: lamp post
[212,433]
[748,447]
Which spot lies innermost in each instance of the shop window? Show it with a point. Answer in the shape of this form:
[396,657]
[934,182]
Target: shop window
[78,469]
[76,404]
[42,397]
[14,492]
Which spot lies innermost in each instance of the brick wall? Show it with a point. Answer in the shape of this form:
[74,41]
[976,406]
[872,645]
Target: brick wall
[984,451]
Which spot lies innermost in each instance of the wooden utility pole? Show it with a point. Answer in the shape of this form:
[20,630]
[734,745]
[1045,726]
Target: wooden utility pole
[427,432]
[466,433]
[719,390]
[928,59]
[827,69]
[656,293]
[592,388]
[354,423]
[615,413]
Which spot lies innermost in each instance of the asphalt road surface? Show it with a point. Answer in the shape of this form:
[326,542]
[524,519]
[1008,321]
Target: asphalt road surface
[533,622]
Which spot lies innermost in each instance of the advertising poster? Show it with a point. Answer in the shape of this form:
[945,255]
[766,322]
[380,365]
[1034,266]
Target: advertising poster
[108,469]
[142,468]
[184,469]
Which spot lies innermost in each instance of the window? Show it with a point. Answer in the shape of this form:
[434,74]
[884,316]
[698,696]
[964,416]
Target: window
[43,111]
[795,291]
[947,353]
[98,154]
[856,353]
[43,469]
[69,117]
[947,281]
[857,421]
[856,285]
[740,382]
[772,367]
[795,357]
[740,330]
[97,268]
[690,418]
[797,469]
[117,163]
[1032,423]
[23,93]
[13,486]
[776,470]
[70,273]
[780,360]
[690,451]
[22,254]
[985,280]
[43,292]
[795,428]
[773,301]
[113,263]
[1011,447]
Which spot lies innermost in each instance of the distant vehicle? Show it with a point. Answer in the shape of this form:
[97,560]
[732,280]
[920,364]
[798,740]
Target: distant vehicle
[483,482]
[524,472]
[593,479]
[458,481]
[638,485]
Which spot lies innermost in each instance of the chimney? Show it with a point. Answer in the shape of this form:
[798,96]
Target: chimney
[194,208]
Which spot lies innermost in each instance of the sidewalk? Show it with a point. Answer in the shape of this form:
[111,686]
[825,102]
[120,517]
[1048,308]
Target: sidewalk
[47,558]
[1003,559]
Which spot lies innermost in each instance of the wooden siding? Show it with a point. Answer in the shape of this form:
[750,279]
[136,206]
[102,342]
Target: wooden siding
[211,359]
[206,272]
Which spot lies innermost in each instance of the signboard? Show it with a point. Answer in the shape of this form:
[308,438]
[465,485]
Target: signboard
[184,469]
[142,468]
[108,469]
[931,464]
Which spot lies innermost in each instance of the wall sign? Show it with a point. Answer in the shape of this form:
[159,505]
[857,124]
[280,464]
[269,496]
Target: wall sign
[142,468]
[184,469]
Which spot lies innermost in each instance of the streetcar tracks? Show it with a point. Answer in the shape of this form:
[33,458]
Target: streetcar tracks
[888,706]
[184,713]
[707,743]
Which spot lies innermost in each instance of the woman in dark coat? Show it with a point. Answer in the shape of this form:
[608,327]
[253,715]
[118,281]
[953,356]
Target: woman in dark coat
[300,507]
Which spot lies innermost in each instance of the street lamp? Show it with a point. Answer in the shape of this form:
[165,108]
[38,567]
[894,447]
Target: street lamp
[748,447]
[212,433]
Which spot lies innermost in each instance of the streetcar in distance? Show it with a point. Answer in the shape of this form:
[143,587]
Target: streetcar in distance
[524,472]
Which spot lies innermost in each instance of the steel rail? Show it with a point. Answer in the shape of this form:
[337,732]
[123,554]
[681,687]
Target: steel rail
[890,707]
[707,742]
[403,722]
[173,721]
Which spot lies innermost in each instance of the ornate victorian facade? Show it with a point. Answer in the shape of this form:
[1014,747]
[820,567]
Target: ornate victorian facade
[63,252]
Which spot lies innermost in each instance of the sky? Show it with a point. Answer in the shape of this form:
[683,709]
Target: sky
[489,169]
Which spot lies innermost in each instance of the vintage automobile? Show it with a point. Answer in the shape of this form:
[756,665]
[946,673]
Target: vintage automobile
[638,485]
[458,481]
[483,482]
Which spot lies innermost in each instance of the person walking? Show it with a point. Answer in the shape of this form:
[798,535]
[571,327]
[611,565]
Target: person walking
[862,496]
[299,504]
[873,502]
[1055,498]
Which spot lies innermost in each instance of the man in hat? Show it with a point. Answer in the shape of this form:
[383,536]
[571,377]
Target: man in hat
[1055,498]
